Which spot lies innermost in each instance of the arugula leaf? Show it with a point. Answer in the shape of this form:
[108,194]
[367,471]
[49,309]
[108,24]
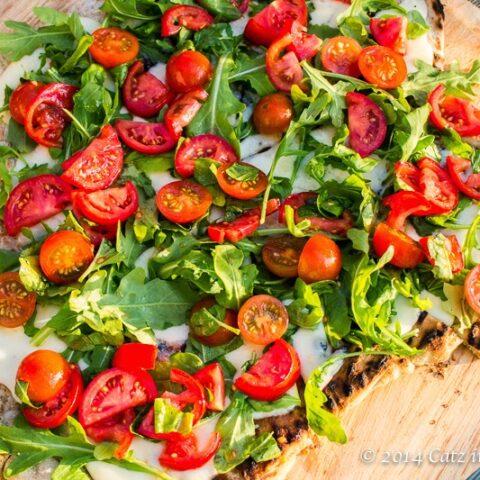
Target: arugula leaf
[284,402]
[21,391]
[439,249]
[208,354]
[17,137]
[454,142]
[82,48]
[8,260]
[471,243]
[171,419]
[133,9]
[417,25]
[252,70]
[222,9]
[242,173]
[50,16]
[306,310]
[217,40]
[364,9]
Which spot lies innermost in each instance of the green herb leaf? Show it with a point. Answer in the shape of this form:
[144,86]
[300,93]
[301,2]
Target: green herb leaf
[252,70]
[170,419]
[242,173]
[417,25]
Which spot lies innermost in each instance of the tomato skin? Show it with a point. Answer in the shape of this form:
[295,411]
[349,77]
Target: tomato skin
[21,99]
[183,110]
[273,374]
[140,356]
[367,124]
[187,70]
[202,146]
[186,16]
[183,201]
[281,255]
[55,411]
[455,252]
[45,119]
[320,259]
[262,319]
[382,66]
[273,114]
[113,46]
[453,112]
[110,206]
[222,335]
[457,167]
[35,200]
[408,253]
[211,377]
[403,204]
[145,137]
[471,289]
[144,94]
[64,256]
[46,373]
[99,165]
[241,190]
[340,55]
[16,304]
[304,45]
[390,32]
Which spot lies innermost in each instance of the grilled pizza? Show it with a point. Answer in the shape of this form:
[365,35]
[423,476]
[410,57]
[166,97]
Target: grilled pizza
[223,224]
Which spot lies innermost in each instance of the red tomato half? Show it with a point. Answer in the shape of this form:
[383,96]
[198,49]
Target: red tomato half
[35,200]
[467,182]
[273,374]
[21,99]
[187,70]
[453,112]
[212,379]
[56,410]
[114,391]
[110,206]
[281,255]
[145,137]
[366,122]
[472,288]
[403,204]
[407,254]
[186,16]
[143,93]
[45,119]
[304,45]
[139,356]
[113,46]
[340,55]
[183,201]
[17,304]
[390,32]
[455,255]
[99,165]
[183,110]
[202,146]
[183,453]
[242,189]
[275,21]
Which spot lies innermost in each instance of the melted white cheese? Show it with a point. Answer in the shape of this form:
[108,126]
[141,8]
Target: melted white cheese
[438,309]
[407,314]
[159,179]
[325,12]
[38,156]
[144,258]
[176,335]
[238,26]
[243,354]
[378,175]
[419,49]
[159,70]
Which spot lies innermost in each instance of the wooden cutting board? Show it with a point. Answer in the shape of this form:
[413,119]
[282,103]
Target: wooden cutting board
[419,426]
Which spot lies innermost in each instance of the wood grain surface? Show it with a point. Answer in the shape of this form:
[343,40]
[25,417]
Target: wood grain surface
[425,425]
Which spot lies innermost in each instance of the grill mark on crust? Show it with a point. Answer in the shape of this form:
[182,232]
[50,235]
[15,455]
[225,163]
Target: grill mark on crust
[473,338]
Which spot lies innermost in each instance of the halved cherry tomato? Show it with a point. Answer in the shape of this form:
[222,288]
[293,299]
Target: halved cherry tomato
[281,255]
[110,206]
[273,114]
[340,55]
[454,249]
[186,16]
[187,70]
[472,288]
[274,374]
[114,391]
[183,110]
[366,122]
[222,335]
[45,118]
[283,69]
[242,189]
[35,200]
[46,373]
[143,93]
[56,410]
[262,319]
[139,356]
[21,99]
[99,165]
[404,204]
[275,21]
[116,428]
[453,112]
[145,137]
[407,254]
[458,168]
[183,454]
[183,201]
[202,146]
[320,259]
[390,32]
[16,304]
[65,255]
[113,46]
[242,226]
[212,379]
[304,45]
[382,66]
